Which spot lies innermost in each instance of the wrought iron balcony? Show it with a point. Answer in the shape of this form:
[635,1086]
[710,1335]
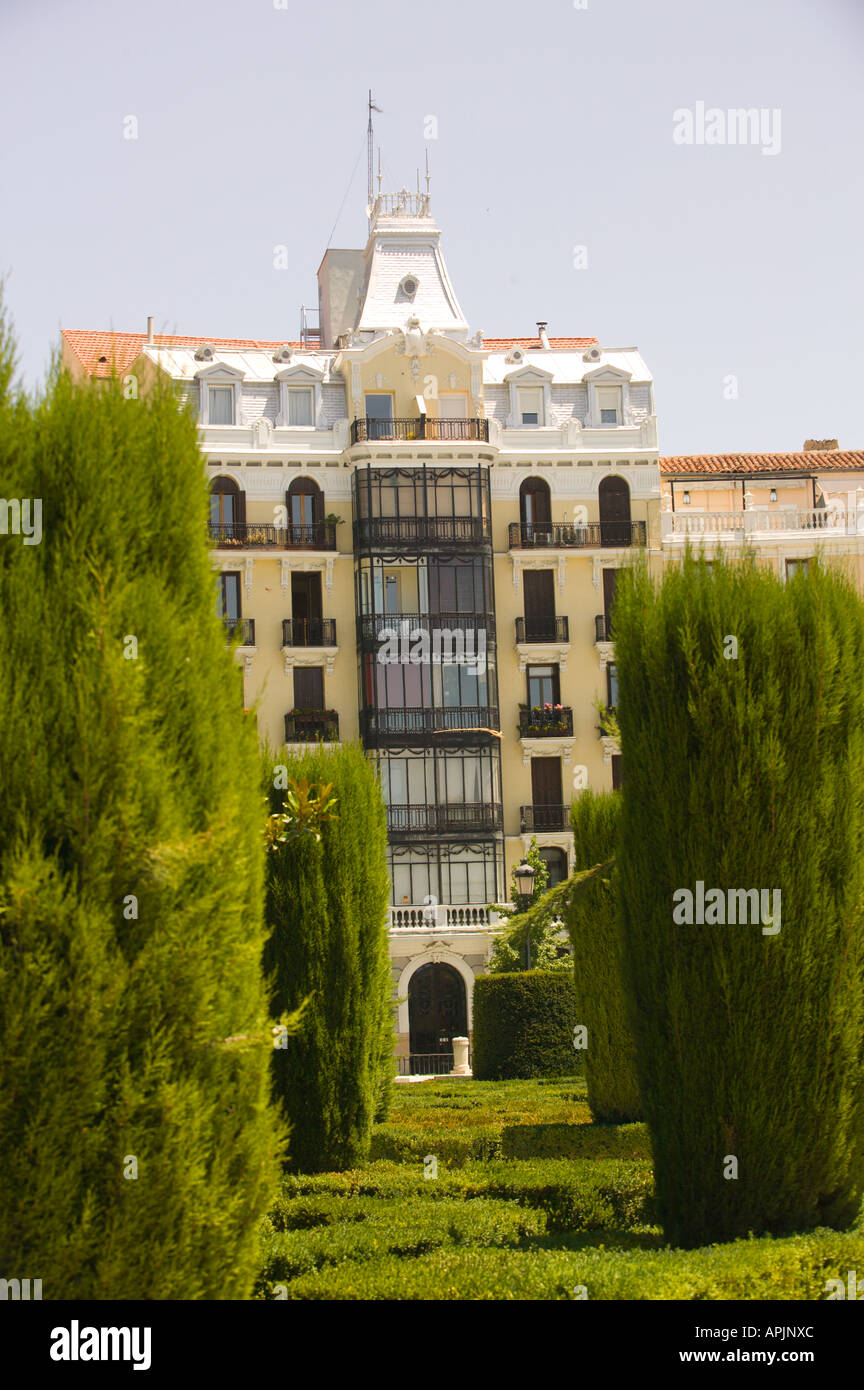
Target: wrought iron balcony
[244,628]
[464,724]
[312,726]
[467,818]
[543,629]
[547,721]
[544,818]
[373,628]
[563,535]
[367,429]
[602,628]
[308,632]
[253,535]
[390,531]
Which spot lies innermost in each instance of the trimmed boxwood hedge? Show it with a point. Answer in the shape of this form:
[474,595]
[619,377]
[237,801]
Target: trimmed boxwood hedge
[523,1025]
[576,1141]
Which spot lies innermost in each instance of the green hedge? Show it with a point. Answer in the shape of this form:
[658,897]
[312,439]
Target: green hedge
[523,1025]
[576,1141]
[796,1268]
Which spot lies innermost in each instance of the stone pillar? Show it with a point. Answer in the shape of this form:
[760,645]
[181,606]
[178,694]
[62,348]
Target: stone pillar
[460,1057]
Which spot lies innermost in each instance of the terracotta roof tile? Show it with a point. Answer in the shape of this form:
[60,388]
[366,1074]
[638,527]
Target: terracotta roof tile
[90,346]
[501,344]
[811,461]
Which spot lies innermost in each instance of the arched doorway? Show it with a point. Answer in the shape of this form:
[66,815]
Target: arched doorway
[535,512]
[305,511]
[227,510]
[437,1013]
[614,495]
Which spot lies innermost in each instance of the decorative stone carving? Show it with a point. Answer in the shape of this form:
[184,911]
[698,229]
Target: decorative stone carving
[262,433]
[250,565]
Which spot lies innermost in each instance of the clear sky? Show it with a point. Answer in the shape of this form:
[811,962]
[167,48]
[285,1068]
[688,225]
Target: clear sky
[738,273]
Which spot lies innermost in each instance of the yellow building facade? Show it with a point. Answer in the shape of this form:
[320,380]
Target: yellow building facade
[417,532]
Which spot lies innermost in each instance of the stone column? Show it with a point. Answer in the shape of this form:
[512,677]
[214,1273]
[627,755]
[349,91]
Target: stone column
[460,1057]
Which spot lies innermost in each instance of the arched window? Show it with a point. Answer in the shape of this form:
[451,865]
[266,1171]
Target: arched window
[305,511]
[535,511]
[227,509]
[556,862]
[614,497]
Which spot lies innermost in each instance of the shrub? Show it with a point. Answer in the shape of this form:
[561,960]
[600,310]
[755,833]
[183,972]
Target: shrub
[327,907]
[744,767]
[610,1061]
[138,1148]
[766,1269]
[576,1141]
[523,1025]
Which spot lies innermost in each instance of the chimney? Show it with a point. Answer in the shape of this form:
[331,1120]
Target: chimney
[541,334]
[828,445]
[150,328]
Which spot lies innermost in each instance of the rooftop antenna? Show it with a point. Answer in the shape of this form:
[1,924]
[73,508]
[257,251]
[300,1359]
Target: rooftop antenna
[369,139]
[428,175]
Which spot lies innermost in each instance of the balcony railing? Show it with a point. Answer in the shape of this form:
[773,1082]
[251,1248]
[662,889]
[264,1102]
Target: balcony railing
[372,629]
[756,521]
[312,726]
[449,916]
[443,820]
[365,430]
[308,632]
[542,629]
[548,722]
[555,535]
[252,535]
[467,721]
[421,530]
[602,628]
[544,818]
[244,628]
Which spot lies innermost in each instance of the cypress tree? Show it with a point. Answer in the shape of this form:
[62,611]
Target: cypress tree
[327,909]
[592,921]
[741,709]
[138,1145]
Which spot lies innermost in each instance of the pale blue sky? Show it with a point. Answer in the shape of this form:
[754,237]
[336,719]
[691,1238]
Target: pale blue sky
[555,129]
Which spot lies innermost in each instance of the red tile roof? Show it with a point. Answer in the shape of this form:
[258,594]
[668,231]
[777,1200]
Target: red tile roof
[91,345]
[809,461]
[502,344]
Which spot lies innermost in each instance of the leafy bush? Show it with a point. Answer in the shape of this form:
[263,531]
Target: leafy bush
[576,1141]
[327,906]
[610,1057]
[523,1025]
[796,1268]
[745,767]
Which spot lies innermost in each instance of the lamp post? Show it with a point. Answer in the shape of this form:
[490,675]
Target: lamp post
[524,875]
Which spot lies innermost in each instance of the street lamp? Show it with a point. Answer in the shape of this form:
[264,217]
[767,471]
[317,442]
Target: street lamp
[524,875]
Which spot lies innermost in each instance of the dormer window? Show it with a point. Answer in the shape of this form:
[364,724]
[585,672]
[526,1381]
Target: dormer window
[300,405]
[220,405]
[609,404]
[530,405]
[409,285]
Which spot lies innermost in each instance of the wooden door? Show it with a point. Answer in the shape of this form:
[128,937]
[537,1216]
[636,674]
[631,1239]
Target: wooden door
[539,589]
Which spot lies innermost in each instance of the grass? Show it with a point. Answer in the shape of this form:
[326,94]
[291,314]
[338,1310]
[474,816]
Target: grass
[530,1201]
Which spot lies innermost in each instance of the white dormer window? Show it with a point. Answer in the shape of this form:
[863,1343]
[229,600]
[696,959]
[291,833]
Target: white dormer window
[220,405]
[530,405]
[609,404]
[300,400]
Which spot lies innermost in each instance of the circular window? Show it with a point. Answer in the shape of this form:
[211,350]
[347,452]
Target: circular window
[410,285]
